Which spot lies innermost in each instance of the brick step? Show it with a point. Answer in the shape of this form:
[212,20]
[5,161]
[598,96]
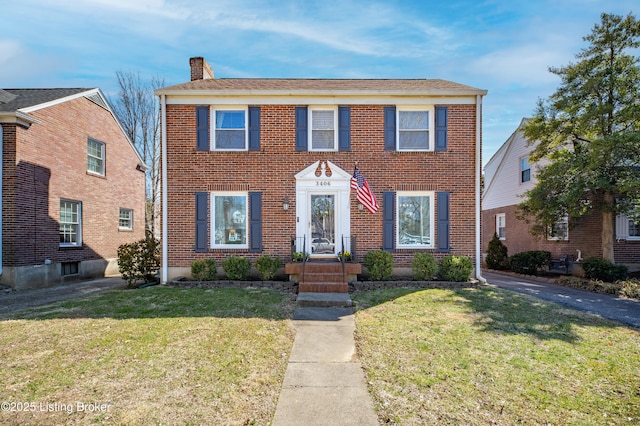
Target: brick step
[323,287]
[324,277]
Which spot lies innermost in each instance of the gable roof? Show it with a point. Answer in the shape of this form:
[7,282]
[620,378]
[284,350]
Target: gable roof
[12,100]
[287,86]
[16,104]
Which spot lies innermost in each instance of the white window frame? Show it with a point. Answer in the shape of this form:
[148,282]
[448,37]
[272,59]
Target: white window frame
[77,223]
[565,222]
[432,238]
[623,222]
[245,219]
[234,108]
[101,159]
[522,169]
[431,111]
[311,110]
[130,219]
[501,217]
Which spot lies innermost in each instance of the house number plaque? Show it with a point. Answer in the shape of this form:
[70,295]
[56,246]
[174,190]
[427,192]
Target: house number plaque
[323,183]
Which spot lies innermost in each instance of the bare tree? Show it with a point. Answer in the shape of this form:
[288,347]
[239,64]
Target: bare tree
[138,111]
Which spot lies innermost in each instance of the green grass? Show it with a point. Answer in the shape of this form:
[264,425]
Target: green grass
[486,356]
[155,356]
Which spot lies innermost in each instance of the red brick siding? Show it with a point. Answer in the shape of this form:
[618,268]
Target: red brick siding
[272,171]
[50,164]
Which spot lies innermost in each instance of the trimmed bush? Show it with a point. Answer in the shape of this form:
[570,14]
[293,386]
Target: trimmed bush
[601,269]
[530,262]
[236,267]
[203,269]
[268,266]
[455,268]
[140,260]
[497,257]
[379,263]
[424,266]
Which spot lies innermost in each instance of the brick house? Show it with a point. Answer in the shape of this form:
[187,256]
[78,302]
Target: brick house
[508,175]
[73,186]
[256,166]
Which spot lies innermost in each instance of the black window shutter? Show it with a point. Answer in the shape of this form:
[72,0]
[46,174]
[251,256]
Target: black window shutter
[441,128]
[301,128]
[254,128]
[255,221]
[202,128]
[388,220]
[202,214]
[390,128]
[344,128]
[443,222]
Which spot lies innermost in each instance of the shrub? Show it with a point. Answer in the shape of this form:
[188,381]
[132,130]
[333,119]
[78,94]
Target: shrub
[268,266]
[601,269]
[631,289]
[203,269]
[379,263]
[530,262]
[497,257]
[139,260]
[236,267]
[299,256]
[424,266]
[455,268]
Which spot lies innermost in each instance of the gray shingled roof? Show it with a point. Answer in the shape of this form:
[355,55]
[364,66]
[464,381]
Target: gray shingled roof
[12,100]
[346,86]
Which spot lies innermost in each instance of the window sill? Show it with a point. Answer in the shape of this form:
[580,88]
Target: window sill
[96,175]
[125,229]
[71,247]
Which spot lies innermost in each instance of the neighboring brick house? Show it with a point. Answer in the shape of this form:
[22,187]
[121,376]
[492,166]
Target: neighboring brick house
[508,175]
[73,186]
[251,165]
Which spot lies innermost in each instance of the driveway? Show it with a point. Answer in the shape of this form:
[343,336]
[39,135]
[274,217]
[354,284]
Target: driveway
[16,300]
[626,311]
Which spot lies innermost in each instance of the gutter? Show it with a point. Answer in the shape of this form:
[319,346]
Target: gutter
[1,193]
[479,276]
[164,269]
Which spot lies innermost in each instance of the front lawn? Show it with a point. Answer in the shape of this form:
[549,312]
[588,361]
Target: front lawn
[487,356]
[149,356]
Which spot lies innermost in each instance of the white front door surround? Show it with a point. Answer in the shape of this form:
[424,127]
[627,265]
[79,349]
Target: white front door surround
[322,181]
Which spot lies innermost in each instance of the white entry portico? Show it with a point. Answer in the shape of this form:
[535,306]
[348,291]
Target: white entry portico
[323,215]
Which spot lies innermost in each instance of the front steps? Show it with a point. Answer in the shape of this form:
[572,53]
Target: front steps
[323,283]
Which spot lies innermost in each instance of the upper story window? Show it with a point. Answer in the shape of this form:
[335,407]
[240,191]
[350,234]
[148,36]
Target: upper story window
[70,223]
[525,170]
[501,226]
[95,156]
[125,220]
[230,129]
[414,129]
[415,219]
[323,129]
[229,220]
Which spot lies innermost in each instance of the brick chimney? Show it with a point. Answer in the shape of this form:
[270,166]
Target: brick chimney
[200,69]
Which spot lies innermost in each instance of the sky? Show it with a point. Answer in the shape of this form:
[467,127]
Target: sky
[503,46]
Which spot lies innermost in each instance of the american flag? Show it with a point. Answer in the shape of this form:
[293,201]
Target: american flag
[364,194]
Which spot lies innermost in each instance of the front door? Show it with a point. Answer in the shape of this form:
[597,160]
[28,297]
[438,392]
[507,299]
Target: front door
[322,224]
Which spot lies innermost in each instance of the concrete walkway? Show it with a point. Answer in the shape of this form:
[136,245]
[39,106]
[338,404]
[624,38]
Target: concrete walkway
[324,383]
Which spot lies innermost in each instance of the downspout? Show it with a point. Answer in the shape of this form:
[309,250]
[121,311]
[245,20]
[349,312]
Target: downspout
[163,151]
[1,194]
[479,276]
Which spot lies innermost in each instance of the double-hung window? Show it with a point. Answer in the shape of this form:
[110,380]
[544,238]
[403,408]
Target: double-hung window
[70,223]
[414,129]
[501,226]
[415,219]
[95,156]
[525,170]
[229,220]
[323,129]
[230,129]
[125,220]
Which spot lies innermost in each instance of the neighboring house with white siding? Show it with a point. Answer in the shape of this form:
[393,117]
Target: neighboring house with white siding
[507,176]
